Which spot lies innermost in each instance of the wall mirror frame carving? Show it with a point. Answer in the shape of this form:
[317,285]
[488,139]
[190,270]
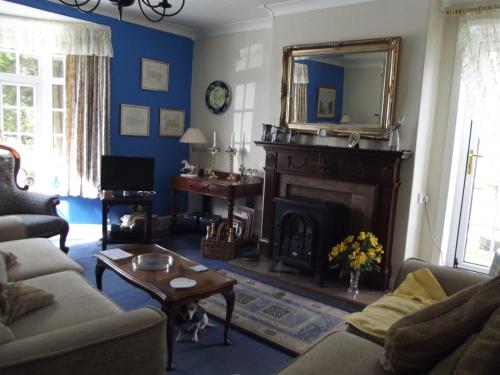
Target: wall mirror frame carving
[390,50]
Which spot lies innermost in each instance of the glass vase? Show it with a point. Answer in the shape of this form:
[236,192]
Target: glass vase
[353,282]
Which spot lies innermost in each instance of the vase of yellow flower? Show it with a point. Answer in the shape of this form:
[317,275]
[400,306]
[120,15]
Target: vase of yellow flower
[354,255]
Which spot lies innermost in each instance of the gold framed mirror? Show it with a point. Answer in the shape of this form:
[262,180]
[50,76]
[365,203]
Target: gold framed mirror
[342,87]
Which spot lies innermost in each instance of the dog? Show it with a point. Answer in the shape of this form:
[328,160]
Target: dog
[191,319]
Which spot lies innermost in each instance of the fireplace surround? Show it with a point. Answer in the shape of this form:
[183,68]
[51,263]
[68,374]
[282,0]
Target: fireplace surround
[365,182]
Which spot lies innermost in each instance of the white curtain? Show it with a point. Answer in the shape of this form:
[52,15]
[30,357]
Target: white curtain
[479,48]
[55,37]
[299,93]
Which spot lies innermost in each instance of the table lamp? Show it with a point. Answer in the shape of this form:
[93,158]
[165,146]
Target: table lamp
[193,136]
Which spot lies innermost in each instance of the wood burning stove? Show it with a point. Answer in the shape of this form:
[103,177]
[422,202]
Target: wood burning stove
[304,231]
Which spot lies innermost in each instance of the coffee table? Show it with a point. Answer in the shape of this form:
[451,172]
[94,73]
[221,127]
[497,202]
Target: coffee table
[157,284]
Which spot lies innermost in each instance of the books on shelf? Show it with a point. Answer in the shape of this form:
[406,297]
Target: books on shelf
[243,222]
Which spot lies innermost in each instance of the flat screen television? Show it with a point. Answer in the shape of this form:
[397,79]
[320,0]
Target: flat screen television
[127,173]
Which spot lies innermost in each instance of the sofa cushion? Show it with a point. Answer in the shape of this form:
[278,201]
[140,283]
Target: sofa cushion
[36,257]
[417,342]
[338,353]
[76,301]
[419,289]
[17,299]
[6,334]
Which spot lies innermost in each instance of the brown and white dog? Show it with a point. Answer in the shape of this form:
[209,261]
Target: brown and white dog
[191,319]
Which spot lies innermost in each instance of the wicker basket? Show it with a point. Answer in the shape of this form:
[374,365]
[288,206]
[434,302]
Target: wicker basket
[218,247]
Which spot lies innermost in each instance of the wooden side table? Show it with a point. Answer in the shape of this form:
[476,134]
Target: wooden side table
[220,188]
[144,201]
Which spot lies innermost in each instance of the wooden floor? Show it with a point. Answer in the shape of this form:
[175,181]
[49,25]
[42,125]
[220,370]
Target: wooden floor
[289,275]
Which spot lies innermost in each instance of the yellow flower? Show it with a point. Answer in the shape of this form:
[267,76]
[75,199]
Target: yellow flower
[378,259]
[362,236]
[371,253]
[373,241]
[349,239]
[356,246]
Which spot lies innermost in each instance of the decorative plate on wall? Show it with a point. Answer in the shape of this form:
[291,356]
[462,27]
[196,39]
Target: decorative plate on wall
[218,97]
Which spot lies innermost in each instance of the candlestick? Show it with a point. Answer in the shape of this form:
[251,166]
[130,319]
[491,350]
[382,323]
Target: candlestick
[213,151]
[232,153]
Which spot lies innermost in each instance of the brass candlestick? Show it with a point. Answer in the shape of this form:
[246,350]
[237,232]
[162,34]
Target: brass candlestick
[232,153]
[213,151]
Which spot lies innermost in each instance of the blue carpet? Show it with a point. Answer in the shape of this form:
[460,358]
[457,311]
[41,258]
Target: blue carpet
[247,355]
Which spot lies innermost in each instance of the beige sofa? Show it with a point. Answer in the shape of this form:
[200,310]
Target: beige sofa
[82,332]
[345,353]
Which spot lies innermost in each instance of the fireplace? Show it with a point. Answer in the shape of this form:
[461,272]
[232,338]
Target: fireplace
[304,231]
[364,181]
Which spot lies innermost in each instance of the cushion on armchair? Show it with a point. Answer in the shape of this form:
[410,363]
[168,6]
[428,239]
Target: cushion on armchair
[419,341]
[419,289]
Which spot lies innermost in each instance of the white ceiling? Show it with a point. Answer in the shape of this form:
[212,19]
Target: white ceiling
[211,17]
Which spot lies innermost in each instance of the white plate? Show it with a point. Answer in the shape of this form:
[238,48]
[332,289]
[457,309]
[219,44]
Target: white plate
[182,282]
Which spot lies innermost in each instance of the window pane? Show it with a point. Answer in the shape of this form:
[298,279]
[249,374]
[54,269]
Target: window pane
[27,121]
[57,67]
[7,62]
[28,65]
[9,95]
[57,96]
[9,120]
[27,140]
[58,146]
[27,96]
[57,120]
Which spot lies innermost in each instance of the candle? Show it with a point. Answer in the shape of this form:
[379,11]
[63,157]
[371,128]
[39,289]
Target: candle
[215,138]
[243,149]
[232,139]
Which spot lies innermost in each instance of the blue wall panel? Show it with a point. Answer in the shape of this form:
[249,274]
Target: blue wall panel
[131,43]
[324,75]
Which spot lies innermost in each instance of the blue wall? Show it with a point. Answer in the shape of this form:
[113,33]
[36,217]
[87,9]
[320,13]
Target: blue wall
[131,43]
[324,75]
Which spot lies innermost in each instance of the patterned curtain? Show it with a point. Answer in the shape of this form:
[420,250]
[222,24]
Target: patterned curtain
[299,94]
[87,122]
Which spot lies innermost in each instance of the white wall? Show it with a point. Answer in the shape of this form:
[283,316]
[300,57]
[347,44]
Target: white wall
[242,60]
[229,58]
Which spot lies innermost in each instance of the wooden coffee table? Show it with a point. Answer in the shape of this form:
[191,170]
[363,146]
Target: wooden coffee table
[157,284]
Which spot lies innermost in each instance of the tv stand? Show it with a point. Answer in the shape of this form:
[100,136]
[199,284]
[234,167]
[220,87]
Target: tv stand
[145,201]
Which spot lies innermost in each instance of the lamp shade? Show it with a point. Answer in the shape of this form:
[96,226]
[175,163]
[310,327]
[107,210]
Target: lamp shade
[193,136]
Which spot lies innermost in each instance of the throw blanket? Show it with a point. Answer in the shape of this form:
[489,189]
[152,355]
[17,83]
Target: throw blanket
[419,289]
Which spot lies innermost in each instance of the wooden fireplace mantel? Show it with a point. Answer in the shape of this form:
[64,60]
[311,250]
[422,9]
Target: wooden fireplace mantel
[365,181]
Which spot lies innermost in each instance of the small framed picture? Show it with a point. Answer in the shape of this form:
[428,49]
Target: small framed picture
[326,102]
[134,120]
[154,75]
[171,122]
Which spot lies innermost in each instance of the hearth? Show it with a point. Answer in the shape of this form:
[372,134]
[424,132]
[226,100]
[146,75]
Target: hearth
[304,231]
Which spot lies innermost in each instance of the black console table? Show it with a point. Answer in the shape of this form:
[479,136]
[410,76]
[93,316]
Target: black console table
[145,201]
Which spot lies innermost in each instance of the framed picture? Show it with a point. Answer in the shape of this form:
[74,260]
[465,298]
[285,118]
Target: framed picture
[171,122]
[326,102]
[154,75]
[134,120]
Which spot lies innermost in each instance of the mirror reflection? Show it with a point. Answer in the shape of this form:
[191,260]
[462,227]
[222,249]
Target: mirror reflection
[338,88]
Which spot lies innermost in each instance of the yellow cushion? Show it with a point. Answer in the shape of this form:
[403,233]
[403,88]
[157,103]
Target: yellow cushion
[419,289]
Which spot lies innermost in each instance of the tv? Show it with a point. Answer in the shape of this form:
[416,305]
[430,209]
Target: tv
[127,173]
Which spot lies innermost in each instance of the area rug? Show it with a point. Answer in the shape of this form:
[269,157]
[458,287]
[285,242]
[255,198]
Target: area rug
[282,318]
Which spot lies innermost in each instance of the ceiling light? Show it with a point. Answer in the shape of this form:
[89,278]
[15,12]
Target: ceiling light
[159,10]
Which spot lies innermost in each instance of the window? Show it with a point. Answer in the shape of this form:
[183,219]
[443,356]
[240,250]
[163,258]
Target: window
[32,109]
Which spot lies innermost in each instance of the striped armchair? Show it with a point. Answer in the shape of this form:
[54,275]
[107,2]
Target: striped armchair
[36,211]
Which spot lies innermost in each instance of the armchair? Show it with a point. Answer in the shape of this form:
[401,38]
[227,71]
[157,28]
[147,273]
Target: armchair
[36,211]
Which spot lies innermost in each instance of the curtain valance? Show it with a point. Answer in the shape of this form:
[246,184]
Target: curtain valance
[68,38]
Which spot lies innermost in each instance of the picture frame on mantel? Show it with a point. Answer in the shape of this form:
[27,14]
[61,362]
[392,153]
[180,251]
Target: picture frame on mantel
[326,102]
[134,120]
[154,75]
[171,122]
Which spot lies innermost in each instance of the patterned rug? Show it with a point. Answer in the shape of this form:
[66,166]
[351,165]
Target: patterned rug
[285,319]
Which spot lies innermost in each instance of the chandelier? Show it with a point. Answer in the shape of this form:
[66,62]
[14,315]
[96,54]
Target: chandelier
[159,11]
